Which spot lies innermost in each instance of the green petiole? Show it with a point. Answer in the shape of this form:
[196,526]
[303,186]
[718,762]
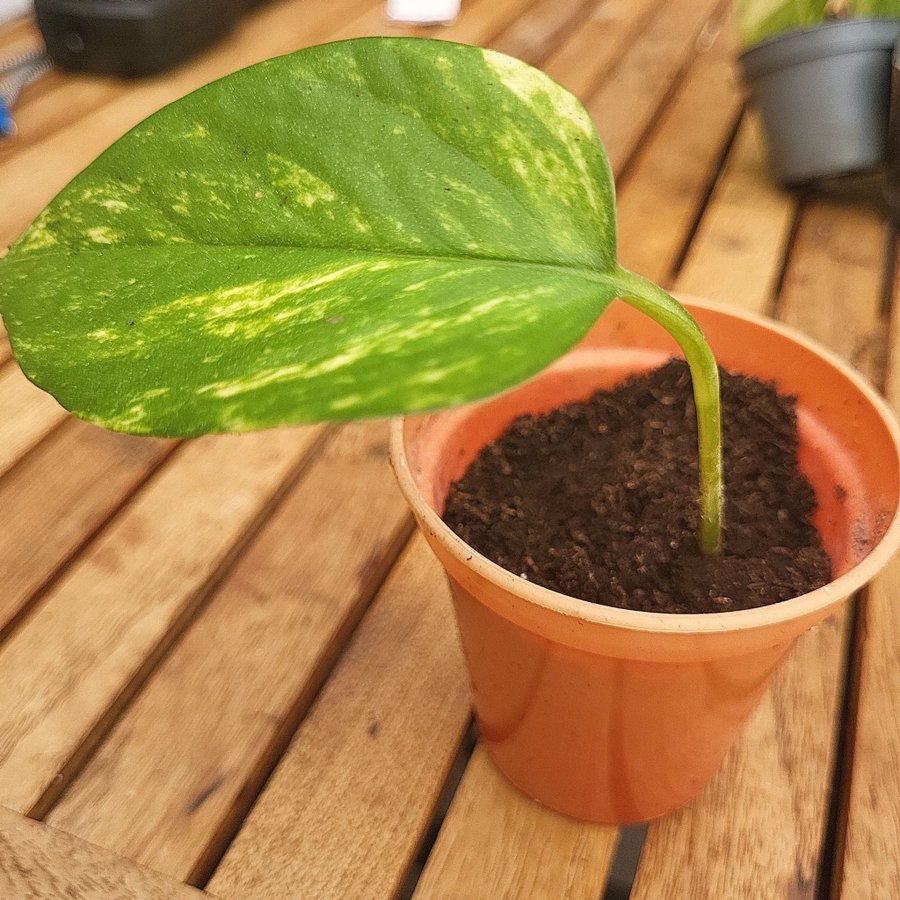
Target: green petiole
[671,315]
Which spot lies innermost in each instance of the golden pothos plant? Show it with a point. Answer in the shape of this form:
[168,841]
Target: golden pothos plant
[365,228]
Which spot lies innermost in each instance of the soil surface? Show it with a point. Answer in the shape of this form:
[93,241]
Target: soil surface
[598,500]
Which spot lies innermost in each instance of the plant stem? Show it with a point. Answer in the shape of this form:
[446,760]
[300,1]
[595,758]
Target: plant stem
[671,315]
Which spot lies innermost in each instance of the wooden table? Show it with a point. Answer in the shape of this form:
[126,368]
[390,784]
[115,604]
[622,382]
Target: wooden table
[227,665]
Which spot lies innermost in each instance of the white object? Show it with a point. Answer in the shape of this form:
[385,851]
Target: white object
[423,12]
[12,9]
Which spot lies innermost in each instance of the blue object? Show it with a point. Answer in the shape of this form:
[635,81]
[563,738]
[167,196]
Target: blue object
[7,126]
[16,74]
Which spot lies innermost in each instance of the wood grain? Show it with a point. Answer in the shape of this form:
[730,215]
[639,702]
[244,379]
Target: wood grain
[626,105]
[539,28]
[672,171]
[67,669]
[745,230]
[59,496]
[27,415]
[757,831]
[496,844]
[871,862]
[597,43]
[344,813]
[834,284]
[41,863]
[175,770]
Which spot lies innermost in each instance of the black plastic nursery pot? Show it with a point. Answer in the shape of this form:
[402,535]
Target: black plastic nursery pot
[824,95]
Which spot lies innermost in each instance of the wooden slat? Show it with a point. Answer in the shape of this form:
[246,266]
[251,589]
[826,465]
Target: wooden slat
[600,38]
[737,253]
[20,28]
[18,36]
[68,668]
[672,172]
[539,28]
[756,830]
[55,102]
[775,789]
[625,107]
[834,285]
[481,21]
[59,496]
[170,777]
[871,861]
[31,178]
[41,863]
[27,415]
[344,812]
[496,844]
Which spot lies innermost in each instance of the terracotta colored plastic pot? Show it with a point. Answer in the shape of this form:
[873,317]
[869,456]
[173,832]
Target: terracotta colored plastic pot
[617,716]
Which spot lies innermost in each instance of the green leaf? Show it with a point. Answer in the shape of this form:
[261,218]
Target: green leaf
[358,229]
[759,20]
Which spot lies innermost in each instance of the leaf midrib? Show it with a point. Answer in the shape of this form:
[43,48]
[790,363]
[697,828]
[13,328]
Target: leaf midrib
[586,272]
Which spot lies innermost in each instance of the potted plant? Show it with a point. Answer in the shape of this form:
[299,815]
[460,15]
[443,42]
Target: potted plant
[390,226]
[820,71]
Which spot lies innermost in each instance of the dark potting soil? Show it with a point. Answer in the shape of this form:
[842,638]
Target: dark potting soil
[598,500]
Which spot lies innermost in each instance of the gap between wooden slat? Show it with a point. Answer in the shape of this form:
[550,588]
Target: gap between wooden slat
[190,610]
[345,811]
[177,774]
[625,862]
[42,863]
[535,33]
[13,619]
[626,107]
[717,172]
[587,55]
[747,226]
[497,844]
[833,840]
[774,788]
[671,173]
[865,862]
[448,792]
[78,704]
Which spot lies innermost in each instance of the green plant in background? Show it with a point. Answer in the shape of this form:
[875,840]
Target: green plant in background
[367,228]
[759,20]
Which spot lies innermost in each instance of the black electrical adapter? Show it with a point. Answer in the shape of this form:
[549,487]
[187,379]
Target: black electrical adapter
[131,37]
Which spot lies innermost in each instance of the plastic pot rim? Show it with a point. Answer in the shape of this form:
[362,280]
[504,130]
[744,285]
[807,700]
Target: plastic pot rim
[828,39]
[814,604]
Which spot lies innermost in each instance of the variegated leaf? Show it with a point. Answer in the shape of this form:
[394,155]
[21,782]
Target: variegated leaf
[357,229]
